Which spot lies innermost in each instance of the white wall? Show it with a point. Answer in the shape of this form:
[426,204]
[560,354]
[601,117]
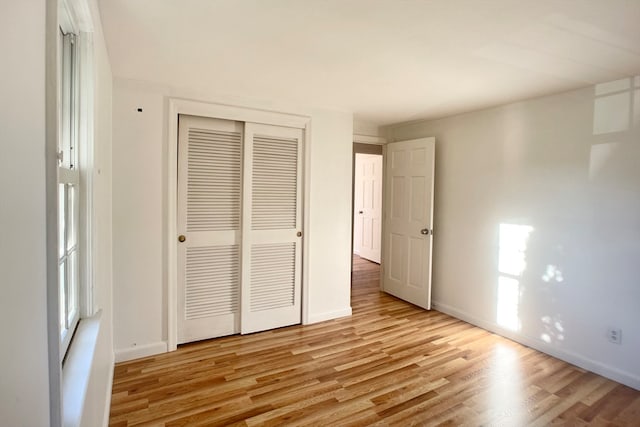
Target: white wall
[330,216]
[361,127]
[139,211]
[568,166]
[139,239]
[24,387]
[24,394]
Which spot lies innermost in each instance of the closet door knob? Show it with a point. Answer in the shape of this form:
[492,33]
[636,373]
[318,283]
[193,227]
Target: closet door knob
[299,234]
[181,238]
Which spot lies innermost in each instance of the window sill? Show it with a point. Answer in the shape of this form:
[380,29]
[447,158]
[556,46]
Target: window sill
[77,369]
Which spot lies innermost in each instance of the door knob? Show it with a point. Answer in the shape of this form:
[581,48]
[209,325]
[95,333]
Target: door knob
[424,231]
[361,212]
[299,234]
[181,238]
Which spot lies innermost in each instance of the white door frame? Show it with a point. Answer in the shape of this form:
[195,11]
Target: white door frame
[229,112]
[371,140]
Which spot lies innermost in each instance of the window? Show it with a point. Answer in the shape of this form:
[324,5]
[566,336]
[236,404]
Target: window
[75,168]
[68,190]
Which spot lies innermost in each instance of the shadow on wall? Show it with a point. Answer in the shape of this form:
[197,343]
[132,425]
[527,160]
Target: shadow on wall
[543,260]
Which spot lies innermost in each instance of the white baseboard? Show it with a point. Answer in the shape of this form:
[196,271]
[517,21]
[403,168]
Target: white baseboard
[136,352]
[599,368]
[328,315]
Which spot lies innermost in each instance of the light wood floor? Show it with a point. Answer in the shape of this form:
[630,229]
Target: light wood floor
[389,364]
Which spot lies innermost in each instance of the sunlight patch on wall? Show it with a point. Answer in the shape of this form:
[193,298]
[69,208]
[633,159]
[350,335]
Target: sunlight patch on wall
[513,245]
[513,240]
[508,302]
[600,154]
[552,274]
[554,330]
[612,107]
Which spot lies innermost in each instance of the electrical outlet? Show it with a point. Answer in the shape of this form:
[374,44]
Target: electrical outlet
[614,335]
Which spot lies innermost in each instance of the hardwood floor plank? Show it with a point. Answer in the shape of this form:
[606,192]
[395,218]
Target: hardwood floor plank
[586,386]
[629,415]
[608,408]
[389,364]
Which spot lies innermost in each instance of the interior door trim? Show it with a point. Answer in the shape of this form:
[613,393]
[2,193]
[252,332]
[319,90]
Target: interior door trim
[179,106]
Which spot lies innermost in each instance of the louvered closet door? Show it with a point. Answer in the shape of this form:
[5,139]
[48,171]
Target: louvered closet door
[209,217]
[271,291]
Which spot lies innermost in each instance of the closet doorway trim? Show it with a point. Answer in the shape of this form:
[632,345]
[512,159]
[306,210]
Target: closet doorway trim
[229,112]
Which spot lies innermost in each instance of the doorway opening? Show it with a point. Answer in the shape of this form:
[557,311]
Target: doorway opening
[367,185]
[407,232]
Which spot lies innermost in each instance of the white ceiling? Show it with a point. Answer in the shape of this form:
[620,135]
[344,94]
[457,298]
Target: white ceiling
[387,61]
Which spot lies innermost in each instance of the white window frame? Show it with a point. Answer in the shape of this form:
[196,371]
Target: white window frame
[75,118]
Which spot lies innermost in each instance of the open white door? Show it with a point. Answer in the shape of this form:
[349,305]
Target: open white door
[209,217]
[272,229]
[367,225]
[408,220]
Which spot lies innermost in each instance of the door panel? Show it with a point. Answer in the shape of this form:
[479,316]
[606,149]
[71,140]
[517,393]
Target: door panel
[368,206]
[272,250]
[408,210]
[209,184]
[396,256]
[416,255]
[273,274]
[417,198]
[397,197]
